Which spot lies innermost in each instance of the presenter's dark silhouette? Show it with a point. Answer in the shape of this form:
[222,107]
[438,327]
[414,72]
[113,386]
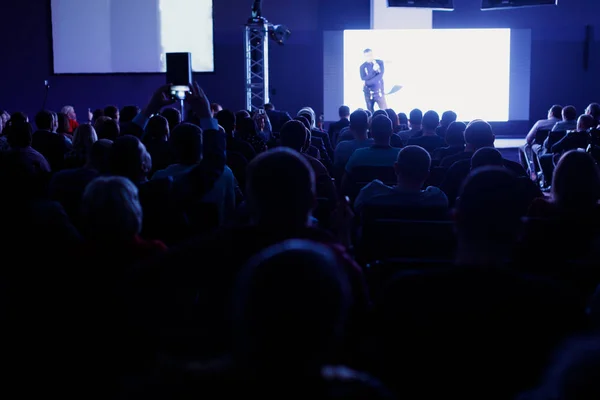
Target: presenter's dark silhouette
[371,72]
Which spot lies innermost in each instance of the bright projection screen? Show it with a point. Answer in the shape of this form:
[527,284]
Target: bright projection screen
[130,36]
[465,70]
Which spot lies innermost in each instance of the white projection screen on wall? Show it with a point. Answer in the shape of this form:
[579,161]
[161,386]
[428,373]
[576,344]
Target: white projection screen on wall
[130,36]
[465,70]
[479,73]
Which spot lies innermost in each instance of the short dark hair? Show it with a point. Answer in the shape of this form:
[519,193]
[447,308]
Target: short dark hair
[293,135]
[576,182]
[309,298]
[402,118]
[455,134]
[173,116]
[187,143]
[479,134]
[490,206]
[487,157]
[158,127]
[108,129]
[125,156]
[359,120]
[128,113]
[294,194]
[309,117]
[19,117]
[241,114]
[344,111]
[269,107]
[18,133]
[431,120]
[448,117]
[44,120]
[594,110]
[100,155]
[569,113]
[380,112]
[413,163]
[381,127]
[367,51]
[586,122]
[556,111]
[246,126]
[226,119]
[99,112]
[416,116]
[393,116]
[130,128]
[111,111]
[304,121]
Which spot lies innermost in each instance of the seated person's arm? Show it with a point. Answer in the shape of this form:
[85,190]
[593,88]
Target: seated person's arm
[531,135]
[563,144]
[547,144]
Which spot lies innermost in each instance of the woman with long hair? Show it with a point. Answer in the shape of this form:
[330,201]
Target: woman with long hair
[83,139]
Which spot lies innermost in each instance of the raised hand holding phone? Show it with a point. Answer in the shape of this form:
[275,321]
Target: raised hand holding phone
[198,101]
[160,98]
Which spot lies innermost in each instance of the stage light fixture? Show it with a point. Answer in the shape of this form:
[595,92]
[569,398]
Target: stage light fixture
[258,33]
[279,33]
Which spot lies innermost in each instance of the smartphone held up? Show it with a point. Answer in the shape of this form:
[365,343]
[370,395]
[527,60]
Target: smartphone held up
[179,74]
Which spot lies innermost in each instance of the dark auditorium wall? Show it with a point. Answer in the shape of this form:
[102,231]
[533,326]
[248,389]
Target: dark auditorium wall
[296,68]
[557,47]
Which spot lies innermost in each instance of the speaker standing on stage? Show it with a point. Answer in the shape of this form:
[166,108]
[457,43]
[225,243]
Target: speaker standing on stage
[372,72]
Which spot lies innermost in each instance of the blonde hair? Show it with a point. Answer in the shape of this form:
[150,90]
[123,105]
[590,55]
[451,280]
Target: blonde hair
[67,109]
[84,137]
[313,116]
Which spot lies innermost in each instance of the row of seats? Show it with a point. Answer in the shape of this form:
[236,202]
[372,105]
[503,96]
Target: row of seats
[388,232]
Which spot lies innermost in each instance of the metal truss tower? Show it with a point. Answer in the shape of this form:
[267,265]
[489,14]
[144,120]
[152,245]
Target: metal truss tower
[257,63]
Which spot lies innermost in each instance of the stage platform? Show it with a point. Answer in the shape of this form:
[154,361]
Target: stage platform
[508,147]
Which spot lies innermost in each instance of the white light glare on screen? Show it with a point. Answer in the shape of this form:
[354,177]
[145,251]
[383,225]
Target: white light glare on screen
[465,70]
